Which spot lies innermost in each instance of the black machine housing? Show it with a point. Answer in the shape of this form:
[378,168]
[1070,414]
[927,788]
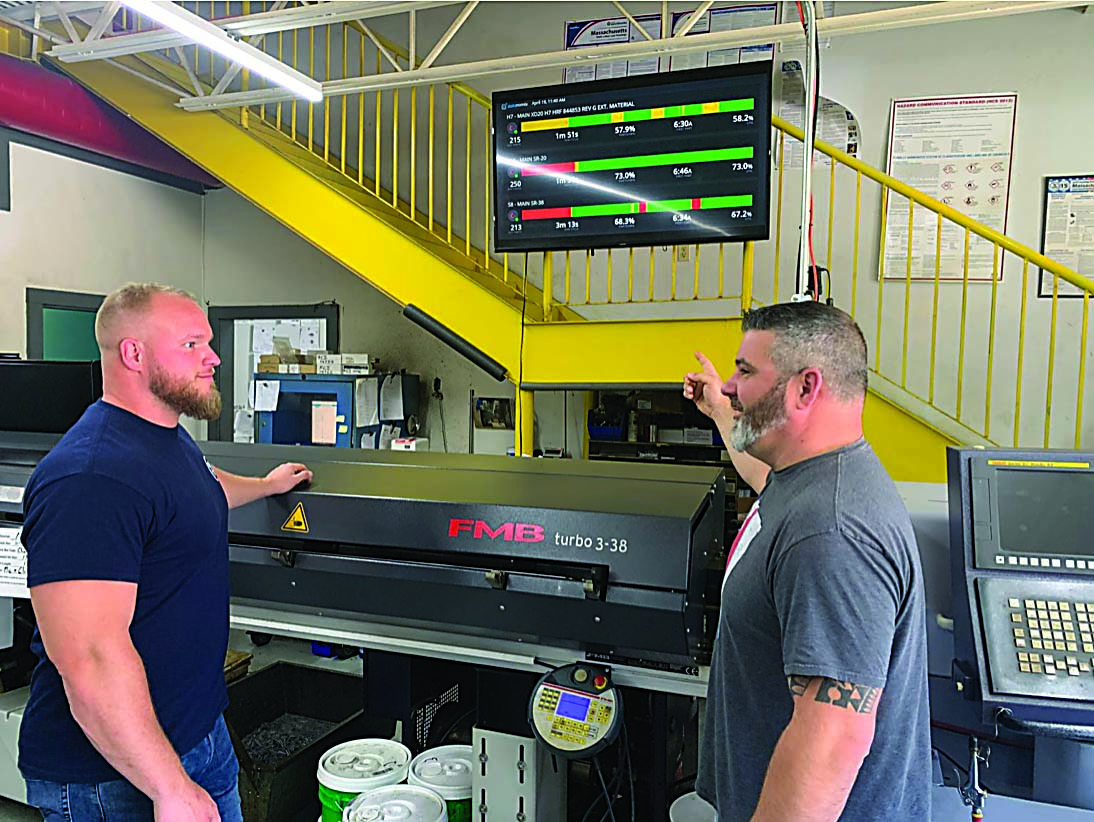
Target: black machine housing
[608,559]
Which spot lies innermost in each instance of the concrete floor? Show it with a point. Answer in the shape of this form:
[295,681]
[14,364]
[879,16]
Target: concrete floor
[279,648]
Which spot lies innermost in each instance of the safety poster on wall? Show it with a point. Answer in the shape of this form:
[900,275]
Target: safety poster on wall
[958,150]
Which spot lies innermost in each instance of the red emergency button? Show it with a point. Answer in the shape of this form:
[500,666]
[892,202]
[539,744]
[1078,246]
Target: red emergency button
[600,682]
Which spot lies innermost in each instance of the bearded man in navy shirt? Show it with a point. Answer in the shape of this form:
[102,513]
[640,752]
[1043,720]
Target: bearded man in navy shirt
[126,530]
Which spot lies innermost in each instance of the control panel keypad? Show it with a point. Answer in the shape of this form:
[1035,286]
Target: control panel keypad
[1052,637]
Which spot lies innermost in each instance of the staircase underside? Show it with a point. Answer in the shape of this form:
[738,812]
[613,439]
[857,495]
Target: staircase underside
[410,266]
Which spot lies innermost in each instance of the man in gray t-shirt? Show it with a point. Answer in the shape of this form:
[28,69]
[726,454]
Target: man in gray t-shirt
[817,702]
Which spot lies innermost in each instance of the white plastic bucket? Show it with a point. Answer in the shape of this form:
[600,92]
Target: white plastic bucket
[350,769]
[446,770]
[692,808]
[397,803]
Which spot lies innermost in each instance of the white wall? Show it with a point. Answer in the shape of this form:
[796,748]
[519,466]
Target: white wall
[79,227]
[75,226]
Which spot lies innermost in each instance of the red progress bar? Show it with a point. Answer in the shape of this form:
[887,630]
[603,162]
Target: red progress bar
[545,213]
[696,204]
[554,168]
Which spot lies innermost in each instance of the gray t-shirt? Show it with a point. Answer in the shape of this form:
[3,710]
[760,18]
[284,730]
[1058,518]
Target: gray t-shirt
[825,581]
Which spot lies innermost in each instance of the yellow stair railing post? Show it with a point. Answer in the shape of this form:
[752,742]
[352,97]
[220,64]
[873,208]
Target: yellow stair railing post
[747,265]
[548,283]
[525,423]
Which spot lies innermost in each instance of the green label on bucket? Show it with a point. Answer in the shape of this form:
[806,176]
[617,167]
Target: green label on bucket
[459,810]
[334,802]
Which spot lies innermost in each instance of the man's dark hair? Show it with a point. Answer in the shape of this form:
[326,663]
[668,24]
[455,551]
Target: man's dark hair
[815,335]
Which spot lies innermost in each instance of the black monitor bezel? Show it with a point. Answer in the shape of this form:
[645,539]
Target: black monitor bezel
[755,232]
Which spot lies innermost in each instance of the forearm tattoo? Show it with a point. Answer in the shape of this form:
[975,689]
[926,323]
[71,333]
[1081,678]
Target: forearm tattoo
[858,698]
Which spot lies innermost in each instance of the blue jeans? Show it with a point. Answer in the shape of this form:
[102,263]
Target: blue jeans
[211,763]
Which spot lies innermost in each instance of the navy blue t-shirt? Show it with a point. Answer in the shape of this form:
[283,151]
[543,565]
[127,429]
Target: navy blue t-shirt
[120,498]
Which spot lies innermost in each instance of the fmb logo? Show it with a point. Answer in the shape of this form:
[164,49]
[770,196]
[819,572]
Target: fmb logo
[507,531]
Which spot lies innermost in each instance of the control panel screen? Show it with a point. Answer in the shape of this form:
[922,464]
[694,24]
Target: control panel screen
[573,707]
[1046,512]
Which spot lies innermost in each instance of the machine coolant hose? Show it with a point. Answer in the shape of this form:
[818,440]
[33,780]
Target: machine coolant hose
[1079,733]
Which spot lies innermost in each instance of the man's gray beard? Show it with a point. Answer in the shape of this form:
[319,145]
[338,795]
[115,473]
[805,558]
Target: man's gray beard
[183,397]
[766,415]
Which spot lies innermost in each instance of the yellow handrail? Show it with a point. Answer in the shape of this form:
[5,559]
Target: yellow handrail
[951,214]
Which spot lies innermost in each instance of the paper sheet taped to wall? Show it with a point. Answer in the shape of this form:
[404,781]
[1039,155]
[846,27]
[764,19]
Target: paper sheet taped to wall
[324,422]
[13,563]
[391,398]
[267,393]
[367,402]
[836,125]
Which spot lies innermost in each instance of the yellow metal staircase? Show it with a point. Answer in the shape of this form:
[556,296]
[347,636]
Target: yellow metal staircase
[611,319]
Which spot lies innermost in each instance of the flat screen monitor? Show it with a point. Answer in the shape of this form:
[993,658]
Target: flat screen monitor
[659,159]
[46,397]
[1046,512]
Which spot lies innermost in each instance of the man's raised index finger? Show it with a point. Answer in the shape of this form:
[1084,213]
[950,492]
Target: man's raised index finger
[708,366]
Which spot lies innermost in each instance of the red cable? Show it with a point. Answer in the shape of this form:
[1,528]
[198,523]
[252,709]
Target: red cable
[812,257]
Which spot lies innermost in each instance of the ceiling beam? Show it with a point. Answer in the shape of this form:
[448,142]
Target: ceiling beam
[316,14]
[948,11]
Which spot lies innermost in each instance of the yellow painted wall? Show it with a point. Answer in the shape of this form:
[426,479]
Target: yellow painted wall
[910,450]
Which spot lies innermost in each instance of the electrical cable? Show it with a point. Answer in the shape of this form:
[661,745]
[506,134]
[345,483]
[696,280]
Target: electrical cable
[1078,733]
[607,796]
[811,96]
[520,358]
[444,428]
[613,788]
[439,397]
[596,801]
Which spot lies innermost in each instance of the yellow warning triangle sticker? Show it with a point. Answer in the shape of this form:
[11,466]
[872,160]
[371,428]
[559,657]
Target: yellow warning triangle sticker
[296,522]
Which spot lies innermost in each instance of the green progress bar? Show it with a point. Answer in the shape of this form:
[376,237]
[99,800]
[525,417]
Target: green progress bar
[610,209]
[638,115]
[671,158]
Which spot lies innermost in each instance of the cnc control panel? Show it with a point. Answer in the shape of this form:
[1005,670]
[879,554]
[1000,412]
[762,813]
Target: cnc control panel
[575,710]
[1023,582]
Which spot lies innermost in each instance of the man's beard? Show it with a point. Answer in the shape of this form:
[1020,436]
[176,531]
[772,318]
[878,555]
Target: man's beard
[765,415]
[183,396]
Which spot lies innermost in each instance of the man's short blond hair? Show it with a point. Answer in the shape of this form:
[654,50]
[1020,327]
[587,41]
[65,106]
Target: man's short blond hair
[129,301]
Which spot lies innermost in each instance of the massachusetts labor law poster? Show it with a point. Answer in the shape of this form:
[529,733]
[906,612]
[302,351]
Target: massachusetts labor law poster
[1067,234]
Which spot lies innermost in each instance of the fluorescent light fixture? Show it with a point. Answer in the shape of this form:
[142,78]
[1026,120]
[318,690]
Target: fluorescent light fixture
[204,33]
